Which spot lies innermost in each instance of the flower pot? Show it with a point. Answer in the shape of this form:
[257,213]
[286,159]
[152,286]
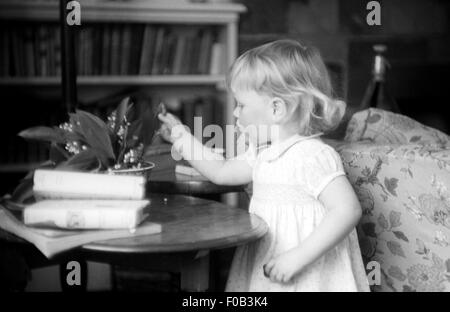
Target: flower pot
[146,168]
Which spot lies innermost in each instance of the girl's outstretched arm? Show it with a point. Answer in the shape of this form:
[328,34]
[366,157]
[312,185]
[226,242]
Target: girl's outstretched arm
[213,166]
[343,213]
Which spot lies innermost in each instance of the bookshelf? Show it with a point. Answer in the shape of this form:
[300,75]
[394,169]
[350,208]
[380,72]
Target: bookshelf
[155,80]
[217,22]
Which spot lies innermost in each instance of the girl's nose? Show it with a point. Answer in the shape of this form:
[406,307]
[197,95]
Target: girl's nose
[236,112]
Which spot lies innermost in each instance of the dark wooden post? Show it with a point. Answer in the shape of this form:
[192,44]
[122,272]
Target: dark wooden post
[69,75]
[69,97]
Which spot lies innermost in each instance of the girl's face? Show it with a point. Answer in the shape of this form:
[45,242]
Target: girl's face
[253,114]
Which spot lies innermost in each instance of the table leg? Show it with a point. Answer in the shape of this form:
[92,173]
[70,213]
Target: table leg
[193,267]
[195,274]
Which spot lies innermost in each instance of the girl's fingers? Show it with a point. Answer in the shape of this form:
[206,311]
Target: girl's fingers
[279,277]
[273,276]
[268,267]
[271,272]
[162,117]
[169,119]
[265,271]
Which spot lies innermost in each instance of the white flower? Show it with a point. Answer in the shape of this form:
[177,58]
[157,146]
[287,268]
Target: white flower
[441,239]
[66,127]
[73,147]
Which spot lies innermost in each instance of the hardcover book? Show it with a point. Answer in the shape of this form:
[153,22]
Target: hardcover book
[86,214]
[51,241]
[79,185]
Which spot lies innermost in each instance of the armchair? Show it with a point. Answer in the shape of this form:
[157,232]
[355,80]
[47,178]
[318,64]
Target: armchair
[400,170]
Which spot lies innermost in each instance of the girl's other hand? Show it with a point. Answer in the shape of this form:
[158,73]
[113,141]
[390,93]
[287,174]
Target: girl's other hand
[282,268]
[169,121]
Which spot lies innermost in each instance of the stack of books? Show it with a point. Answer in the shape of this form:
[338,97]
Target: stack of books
[75,208]
[80,200]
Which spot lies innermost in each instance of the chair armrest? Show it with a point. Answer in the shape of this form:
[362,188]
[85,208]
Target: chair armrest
[405,197]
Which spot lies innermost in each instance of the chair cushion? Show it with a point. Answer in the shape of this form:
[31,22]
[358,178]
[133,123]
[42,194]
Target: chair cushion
[380,126]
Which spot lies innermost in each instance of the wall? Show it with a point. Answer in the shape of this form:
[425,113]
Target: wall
[415,31]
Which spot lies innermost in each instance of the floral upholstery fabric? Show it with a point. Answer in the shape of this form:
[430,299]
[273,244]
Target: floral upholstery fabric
[400,171]
[380,126]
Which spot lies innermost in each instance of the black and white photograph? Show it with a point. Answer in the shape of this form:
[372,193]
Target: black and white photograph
[211,153]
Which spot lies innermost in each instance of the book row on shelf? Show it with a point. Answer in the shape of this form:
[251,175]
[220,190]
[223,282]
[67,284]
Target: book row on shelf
[31,50]
[111,49]
[18,151]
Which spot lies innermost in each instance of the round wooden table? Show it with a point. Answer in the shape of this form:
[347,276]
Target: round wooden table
[188,224]
[167,181]
[191,227]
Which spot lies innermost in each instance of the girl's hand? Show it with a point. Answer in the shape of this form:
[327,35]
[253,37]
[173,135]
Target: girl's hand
[282,268]
[169,121]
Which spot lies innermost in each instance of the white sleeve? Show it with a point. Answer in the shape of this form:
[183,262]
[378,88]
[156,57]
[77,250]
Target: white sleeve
[320,169]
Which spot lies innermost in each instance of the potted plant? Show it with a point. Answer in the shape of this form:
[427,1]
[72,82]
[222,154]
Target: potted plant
[87,143]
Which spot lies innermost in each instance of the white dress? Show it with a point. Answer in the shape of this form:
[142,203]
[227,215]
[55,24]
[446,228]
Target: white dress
[287,179]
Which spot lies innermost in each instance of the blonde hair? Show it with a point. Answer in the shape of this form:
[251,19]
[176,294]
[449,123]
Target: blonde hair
[295,73]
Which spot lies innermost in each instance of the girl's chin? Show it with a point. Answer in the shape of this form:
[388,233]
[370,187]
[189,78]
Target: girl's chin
[256,135]
[258,141]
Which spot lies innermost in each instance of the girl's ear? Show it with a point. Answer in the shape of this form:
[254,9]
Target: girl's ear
[279,109]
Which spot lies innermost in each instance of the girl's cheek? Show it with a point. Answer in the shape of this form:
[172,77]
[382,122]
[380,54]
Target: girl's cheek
[242,117]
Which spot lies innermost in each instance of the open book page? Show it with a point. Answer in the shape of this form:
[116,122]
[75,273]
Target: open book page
[53,241]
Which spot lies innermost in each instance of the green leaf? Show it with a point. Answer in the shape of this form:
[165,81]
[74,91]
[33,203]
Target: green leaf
[391,185]
[57,153]
[401,235]
[96,134]
[69,136]
[41,133]
[421,248]
[396,248]
[121,111]
[396,273]
[369,229]
[77,131]
[373,118]
[415,138]
[150,123]
[394,218]
[23,191]
[84,161]
[438,262]
[382,221]
[407,288]
[134,133]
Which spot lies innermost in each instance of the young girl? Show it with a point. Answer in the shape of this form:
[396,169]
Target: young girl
[299,185]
